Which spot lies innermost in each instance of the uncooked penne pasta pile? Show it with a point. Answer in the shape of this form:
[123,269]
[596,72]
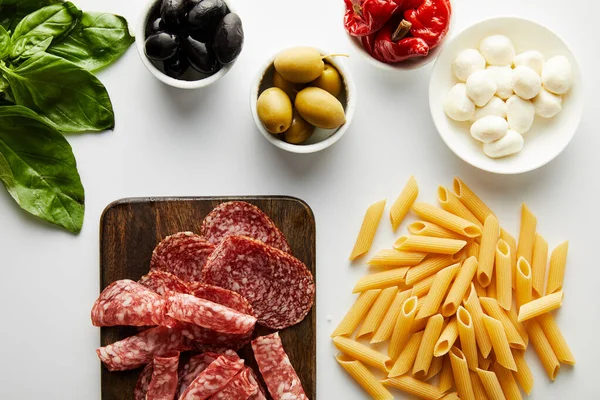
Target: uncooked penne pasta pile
[455,304]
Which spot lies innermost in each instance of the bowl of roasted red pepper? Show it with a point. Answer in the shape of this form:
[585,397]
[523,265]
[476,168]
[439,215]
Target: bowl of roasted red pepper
[398,34]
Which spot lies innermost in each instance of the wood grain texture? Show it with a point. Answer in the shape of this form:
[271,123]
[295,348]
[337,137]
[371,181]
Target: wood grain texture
[131,228]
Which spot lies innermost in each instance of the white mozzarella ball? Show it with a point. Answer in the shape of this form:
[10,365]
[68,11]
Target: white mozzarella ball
[532,59]
[489,129]
[526,83]
[457,104]
[503,76]
[481,87]
[496,106]
[547,104]
[510,143]
[467,62]
[520,114]
[497,50]
[557,75]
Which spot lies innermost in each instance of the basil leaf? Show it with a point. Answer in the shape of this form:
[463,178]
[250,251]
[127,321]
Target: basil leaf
[64,94]
[97,41]
[38,168]
[37,30]
[4,43]
[13,11]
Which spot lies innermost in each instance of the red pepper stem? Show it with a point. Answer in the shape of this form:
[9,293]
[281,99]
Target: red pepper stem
[401,31]
[357,9]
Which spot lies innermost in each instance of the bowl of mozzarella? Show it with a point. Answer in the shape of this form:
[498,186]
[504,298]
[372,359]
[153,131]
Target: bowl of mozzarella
[506,95]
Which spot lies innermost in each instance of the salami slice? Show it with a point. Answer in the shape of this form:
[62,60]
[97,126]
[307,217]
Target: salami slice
[241,387]
[276,369]
[225,297]
[209,340]
[213,378]
[195,365]
[239,218]
[207,314]
[163,385]
[163,282]
[182,254]
[138,350]
[141,387]
[126,302]
[260,392]
[279,287]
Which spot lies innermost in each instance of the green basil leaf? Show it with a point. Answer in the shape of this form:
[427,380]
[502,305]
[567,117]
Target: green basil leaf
[4,43]
[64,94]
[13,11]
[38,168]
[97,41]
[42,26]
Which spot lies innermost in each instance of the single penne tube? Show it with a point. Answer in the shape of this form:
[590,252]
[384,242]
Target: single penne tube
[460,286]
[540,306]
[524,284]
[473,249]
[402,328]
[478,389]
[413,386]
[503,275]
[555,338]
[407,357]
[363,353]
[377,312]
[487,250]
[451,203]
[368,229]
[446,339]
[404,202]
[556,271]
[386,327]
[526,234]
[507,382]
[365,379]
[512,245]
[491,384]
[429,244]
[438,291]
[425,353]
[493,309]
[542,347]
[446,381]
[357,313]
[425,228]
[466,333]
[381,280]
[538,264]
[429,266]
[523,374]
[460,371]
[499,342]
[447,220]
[471,303]
[434,369]
[396,258]
[484,363]
[470,200]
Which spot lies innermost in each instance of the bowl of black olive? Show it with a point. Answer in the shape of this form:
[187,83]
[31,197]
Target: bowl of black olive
[189,44]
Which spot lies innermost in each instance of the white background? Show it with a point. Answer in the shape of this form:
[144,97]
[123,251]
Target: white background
[170,142]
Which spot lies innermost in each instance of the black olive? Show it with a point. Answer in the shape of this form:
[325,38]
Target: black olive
[229,38]
[161,46]
[176,65]
[155,26]
[201,56]
[206,15]
[172,12]
[191,4]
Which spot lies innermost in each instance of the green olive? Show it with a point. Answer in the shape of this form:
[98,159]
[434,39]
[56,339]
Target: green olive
[330,80]
[299,131]
[299,64]
[274,110]
[320,108]
[291,89]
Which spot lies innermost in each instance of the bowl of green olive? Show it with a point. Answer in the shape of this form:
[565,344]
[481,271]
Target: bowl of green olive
[303,99]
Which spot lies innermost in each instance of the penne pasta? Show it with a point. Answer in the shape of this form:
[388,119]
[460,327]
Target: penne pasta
[538,264]
[421,288]
[446,381]
[434,369]
[451,396]
[402,328]
[487,250]
[429,244]
[424,228]
[428,267]
[447,220]
[499,342]
[491,289]
[526,234]
[542,347]
[491,307]
[381,280]
[365,379]
[484,363]
[356,313]
[555,338]
[460,371]
[491,384]
[540,306]
[480,290]
[415,387]
[377,312]
[407,357]
[470,200]
[460,286]
[425,353]
[478,389]
[438,291]
[503,275]
[385,329]
[363,353]
[451,203]
[368,229]
[471,303]
[507,382]
[512,245]
[524,284]
[395,258]
[446,339]
[404,202]
[513,317]
[466,333]
[556,271]
[523,374]
[473,249]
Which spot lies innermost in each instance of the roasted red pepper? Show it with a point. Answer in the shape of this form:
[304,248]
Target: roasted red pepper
[430,21]
[364,17]
[391,46]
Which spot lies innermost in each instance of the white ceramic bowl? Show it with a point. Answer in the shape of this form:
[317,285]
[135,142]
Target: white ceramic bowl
[547,137]
[140,38]
[321,138]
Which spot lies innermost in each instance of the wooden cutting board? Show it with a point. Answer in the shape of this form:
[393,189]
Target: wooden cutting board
[131,228]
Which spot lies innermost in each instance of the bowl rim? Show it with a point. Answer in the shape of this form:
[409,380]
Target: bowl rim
[305,148]
[576,117]
[140,39]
